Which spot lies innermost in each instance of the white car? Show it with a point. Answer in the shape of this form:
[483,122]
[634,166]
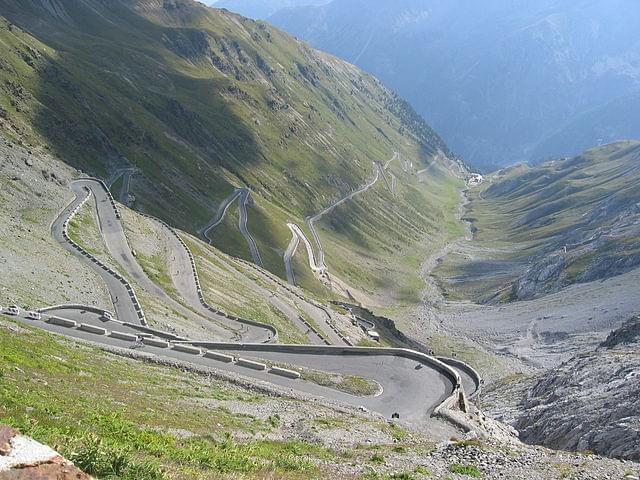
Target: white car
[34,315]
[13,310]
[106,317]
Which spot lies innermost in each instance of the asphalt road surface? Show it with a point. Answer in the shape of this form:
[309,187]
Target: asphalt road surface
[409,388]
[242,195]
[123,308]
[116,242]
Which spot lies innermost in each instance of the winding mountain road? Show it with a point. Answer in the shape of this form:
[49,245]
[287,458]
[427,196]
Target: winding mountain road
[117,290]
[413,384]
[243,196]
[316,260]
[118,246]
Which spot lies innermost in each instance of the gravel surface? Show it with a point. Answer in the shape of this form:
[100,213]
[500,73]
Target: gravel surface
[36,271]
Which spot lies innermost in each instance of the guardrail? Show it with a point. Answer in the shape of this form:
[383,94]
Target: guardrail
[76,306]
[456,400]
[390,325]
[196,278]
[106,189]
[314,330]
[288,288]
[65,234]
[469,370]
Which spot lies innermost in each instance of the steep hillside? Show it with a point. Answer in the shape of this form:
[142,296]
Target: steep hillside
[502,81]
[588,403]
[538,229]
[202,101]
[115,417]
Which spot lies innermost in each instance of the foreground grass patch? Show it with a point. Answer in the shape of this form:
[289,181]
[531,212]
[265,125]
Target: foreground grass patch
[470,470]
[119,418]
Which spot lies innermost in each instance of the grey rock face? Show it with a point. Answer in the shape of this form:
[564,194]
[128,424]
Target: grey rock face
[589,403]
[629,333]
[536,279]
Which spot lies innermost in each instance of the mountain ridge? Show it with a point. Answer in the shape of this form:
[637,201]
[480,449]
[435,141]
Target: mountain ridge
[502,81]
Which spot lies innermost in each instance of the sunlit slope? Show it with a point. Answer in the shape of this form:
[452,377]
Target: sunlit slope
[525,217]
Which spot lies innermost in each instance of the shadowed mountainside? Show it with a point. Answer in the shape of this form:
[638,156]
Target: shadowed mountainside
[203,101]
[503,81]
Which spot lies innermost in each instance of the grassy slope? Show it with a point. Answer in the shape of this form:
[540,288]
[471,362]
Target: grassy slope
[392,238]
[202,100]
[117,418]
[234,292]
[525,215]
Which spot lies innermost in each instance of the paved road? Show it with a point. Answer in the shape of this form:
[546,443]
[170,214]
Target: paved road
[469,382]
[116,242]
[288,254]
[242,224]
[184,281]
[409,387]
[125,198]
[126,182]
[117,245]
[124,308]
[243,195]
[312,219]
[297,232]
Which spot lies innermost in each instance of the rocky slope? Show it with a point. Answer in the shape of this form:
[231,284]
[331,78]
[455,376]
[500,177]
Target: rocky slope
[539,229]
[589,403]
[502,81]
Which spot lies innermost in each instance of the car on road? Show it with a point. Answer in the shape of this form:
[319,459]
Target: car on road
[106,317]
[34,315]
[13,310]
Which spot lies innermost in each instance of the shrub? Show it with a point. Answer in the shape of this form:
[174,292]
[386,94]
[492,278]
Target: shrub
[377,458]
[470,470]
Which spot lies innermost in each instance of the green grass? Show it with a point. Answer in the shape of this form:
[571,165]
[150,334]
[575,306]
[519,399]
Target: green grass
[115,417]
[224,289]
[83,228]
[156,269]
[351,384]
[420,470]
[397,433]
[469,470]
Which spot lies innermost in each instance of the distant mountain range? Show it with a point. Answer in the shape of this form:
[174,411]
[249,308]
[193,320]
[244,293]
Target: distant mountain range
[502,80]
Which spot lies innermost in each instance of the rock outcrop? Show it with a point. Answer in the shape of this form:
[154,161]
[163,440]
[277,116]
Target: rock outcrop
[589,403]
[22,458]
